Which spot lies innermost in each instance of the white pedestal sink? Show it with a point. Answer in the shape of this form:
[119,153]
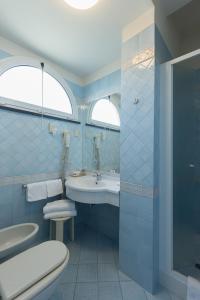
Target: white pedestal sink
[86,189]
[15,238]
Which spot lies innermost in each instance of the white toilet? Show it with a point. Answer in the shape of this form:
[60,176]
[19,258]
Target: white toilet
[34,273]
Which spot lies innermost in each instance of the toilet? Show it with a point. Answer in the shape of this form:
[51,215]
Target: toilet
[35,273]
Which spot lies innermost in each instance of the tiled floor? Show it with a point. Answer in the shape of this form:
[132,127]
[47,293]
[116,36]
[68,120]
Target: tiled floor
[185,258]
[93,274]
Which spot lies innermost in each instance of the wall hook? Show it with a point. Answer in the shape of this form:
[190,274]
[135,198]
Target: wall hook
[136,101]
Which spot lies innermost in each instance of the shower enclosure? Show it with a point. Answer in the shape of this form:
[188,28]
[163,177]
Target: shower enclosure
[186,167]
[180,168]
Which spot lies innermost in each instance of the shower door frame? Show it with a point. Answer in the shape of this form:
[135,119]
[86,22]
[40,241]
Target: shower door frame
[166,170]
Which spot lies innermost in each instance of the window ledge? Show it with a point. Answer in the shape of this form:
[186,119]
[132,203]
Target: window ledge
[104,126]
[11,104]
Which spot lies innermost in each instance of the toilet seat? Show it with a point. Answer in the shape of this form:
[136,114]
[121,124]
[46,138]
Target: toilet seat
[25,275]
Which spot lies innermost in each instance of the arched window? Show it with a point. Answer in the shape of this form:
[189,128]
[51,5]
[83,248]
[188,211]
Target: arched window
[104,111]
[23,84]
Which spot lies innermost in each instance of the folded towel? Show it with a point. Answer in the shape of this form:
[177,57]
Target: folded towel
[36,191]
[54,187]
[193,289]
[59,205]
[61,214]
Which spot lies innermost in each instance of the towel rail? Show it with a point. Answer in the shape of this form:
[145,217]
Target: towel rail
[25,185]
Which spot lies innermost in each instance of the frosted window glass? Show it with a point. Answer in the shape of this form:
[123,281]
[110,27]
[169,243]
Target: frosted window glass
[24,84]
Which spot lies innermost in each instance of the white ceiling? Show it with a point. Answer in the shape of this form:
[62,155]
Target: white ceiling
[80,41]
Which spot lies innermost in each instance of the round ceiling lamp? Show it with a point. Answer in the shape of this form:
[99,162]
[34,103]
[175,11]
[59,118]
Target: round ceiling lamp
[81,4]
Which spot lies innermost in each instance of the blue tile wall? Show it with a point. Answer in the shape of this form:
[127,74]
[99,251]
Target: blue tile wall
[137,167]
[103,218]
[27,147]
[77,90]
[162,55]
[105,86]
[136,236]
[14,209]
[137,120]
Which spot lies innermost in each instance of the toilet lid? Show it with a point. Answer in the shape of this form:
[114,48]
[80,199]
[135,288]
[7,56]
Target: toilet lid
[27,268]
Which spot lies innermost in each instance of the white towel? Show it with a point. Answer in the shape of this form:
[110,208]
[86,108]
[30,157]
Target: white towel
[54,187]
[36,191]
[59,205]
[193,289]
[60,214]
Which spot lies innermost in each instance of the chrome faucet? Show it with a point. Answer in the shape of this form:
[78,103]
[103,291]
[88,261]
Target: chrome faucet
[98,177]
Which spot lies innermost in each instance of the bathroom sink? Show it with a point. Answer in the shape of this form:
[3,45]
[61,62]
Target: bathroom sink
[87,183]
[15,238]
[87,189]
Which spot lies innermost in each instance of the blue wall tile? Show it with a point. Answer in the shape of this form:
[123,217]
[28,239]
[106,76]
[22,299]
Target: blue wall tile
[27,148]
[105,86]
[103,218]
[77,90]
[136,260]
[137,167]
[162,55]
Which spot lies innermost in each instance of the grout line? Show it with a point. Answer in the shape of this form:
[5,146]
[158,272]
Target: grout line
[121,290]
[114,263]
[98,281]
[77,272]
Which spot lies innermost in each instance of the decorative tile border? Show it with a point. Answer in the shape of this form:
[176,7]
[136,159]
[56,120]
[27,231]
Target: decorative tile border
[138,189]
[6,181]
[135,189]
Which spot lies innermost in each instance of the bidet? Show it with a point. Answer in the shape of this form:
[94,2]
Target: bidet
[16,238]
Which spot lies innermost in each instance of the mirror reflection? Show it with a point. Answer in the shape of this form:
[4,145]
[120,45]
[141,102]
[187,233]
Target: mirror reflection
[101,135]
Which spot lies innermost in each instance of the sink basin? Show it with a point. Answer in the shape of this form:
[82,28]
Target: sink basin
[87,183]
[86,189]
[15,238]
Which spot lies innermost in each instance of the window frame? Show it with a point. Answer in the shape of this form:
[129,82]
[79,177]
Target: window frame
[99,123]
[17,61]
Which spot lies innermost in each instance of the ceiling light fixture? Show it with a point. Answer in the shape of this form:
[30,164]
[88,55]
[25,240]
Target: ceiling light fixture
[81,4]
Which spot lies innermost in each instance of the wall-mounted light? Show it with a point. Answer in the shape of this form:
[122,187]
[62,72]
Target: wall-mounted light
[81,4]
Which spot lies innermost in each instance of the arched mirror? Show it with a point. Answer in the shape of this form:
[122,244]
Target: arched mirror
[104,112]
[101,136]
